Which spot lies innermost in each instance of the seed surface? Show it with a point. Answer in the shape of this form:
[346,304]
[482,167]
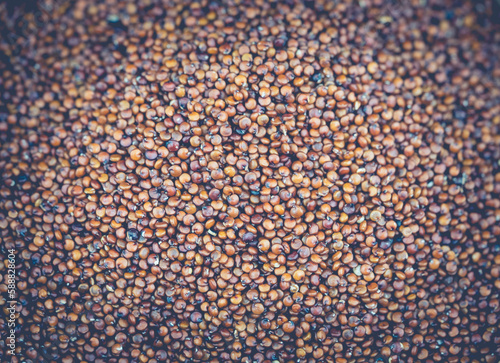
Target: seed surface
[251,181]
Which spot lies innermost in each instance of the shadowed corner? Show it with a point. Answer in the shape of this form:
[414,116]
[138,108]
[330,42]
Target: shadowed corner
[495,12]
[23,6]
[12,12]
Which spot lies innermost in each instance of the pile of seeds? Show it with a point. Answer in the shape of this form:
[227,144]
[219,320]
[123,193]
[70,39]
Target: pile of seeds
[252,181]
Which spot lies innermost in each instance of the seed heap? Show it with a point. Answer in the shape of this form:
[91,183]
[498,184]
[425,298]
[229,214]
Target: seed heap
[253,181]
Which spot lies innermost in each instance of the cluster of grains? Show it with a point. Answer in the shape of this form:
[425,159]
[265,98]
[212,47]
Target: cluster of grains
[252,181]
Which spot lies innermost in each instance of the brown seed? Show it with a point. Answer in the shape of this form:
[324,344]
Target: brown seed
[237,183]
